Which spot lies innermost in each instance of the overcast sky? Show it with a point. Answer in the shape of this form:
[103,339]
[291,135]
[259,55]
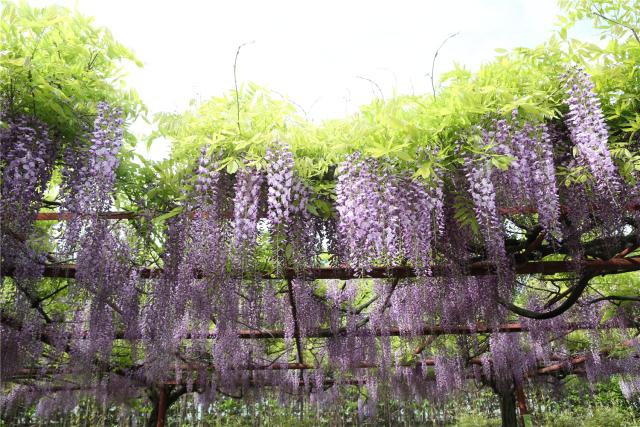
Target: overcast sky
[317,53]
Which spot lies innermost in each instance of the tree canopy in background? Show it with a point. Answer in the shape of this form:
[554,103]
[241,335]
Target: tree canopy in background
[485,234]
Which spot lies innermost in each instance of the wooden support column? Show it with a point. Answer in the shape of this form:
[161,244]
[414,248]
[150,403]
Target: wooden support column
[162,406]
[521,398]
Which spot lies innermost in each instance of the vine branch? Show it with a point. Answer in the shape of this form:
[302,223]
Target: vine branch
[235,82]
[633,30]
[433,63]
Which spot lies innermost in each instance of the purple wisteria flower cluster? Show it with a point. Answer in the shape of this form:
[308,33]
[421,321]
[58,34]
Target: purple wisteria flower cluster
[450,374]
[102,256]
[90,176]
[292,229]
[245,214]
[384,216]
[193,316]
[588,131]
[530,179]
[99,172]
[357,204]
[483,195]
[206,185]
[27,155]
[280,183]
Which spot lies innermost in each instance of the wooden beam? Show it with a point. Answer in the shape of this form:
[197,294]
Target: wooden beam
[614,265]
[65,216]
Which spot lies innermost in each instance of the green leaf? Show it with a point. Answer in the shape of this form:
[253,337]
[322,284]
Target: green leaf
[312,209]
[288,251]
[404,155]
[232,167]
[502,162]
[425,170]
[378,151]
[17,62]
[173,212]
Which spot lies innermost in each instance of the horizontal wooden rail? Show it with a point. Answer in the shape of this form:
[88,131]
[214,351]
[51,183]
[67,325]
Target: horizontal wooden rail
[65,216]
[435,330]
[346,273]
[565,364]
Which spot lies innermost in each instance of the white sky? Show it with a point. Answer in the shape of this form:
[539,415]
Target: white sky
[310,51]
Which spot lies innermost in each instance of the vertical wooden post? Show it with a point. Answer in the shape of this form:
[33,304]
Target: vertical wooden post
[522,404]
[162,407]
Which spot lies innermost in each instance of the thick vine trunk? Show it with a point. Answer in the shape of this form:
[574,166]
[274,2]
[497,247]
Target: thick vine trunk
[153,417]
[508,408]
[161,400]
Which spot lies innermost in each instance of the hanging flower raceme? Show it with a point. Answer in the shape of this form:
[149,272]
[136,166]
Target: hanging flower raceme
[163,307]
[293,232]
[27,154]
[545,189]
[206,250]
[532,174]
[195,260]
[449,374]
[87,187]
[206,190]
[102,259]
[357,199]
[530,178]
[310,309]
[245,214]
[304,231]
[280,183]
[483,194]
[588,132]
[408,308]
[103,268]
[96,178]
[419,218]
[509,361]
[384,216]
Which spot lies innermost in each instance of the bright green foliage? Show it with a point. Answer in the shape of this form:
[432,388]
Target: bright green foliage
[605,416]
[614,62]
[477,420]
[56,65]
[241,125]
[596,410]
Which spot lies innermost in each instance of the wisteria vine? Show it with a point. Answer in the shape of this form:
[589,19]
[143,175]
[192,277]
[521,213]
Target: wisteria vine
[235,263]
